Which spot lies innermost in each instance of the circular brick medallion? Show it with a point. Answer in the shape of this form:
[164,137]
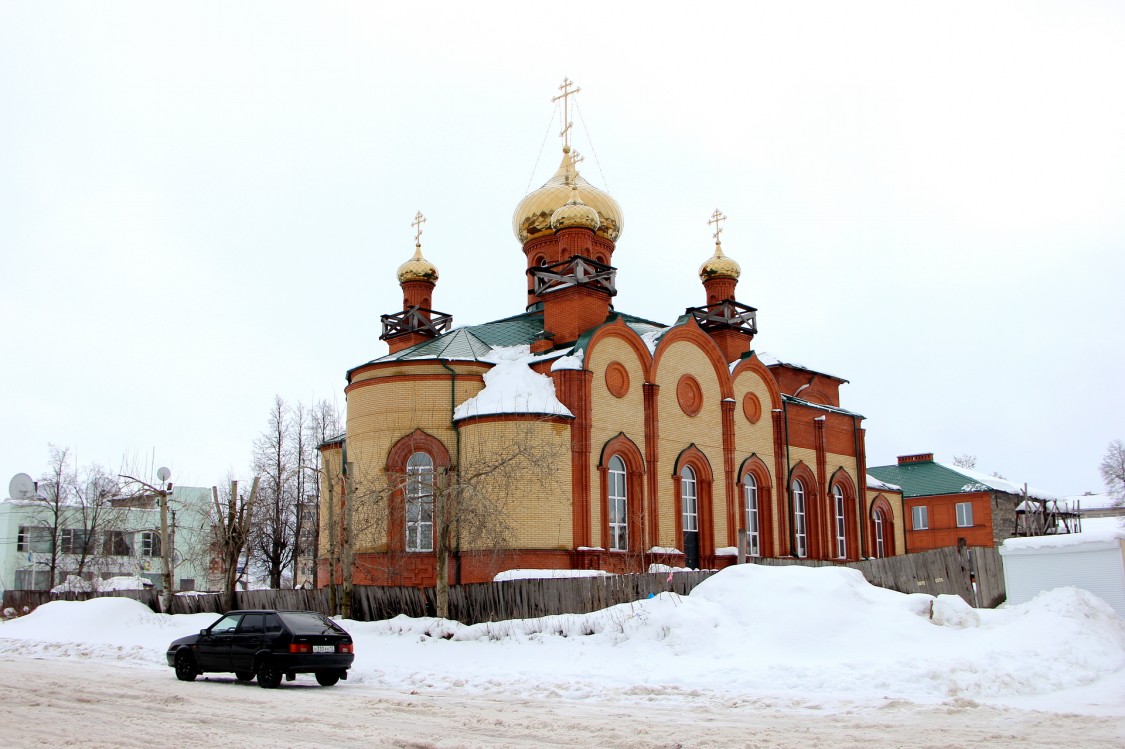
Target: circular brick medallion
[617,379]
[690,395]
[751,408]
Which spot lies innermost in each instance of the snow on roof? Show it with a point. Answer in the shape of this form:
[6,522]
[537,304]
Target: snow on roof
[984,482]
[771,361]
[874,483]
[512,387]
[1096,532]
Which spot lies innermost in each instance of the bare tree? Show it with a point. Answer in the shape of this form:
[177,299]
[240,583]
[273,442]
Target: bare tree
[274,527]
[965,461]
[1113,470]
[469,504]
[71,511]
[232,518]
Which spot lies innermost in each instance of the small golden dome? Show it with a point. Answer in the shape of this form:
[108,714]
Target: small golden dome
[417,268]
[575,213]
[534,213]
[719,266]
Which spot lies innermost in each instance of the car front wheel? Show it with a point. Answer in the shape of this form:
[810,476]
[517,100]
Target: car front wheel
[269,675]
[327,678]
[185,666]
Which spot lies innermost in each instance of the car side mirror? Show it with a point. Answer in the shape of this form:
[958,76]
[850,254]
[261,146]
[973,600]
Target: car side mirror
[203,633]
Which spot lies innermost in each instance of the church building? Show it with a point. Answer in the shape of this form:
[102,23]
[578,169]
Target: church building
[576,436]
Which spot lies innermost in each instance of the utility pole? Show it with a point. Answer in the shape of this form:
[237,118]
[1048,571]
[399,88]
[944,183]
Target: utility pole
[165,540]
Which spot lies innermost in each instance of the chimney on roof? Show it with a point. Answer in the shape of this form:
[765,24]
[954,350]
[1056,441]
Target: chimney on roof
[919,458]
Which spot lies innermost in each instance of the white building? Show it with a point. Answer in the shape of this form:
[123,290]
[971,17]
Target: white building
[1093,560]
[125,541]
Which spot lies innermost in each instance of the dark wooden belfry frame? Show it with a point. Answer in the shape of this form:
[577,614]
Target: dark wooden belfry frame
[579,270]
[413,320]
[726,315]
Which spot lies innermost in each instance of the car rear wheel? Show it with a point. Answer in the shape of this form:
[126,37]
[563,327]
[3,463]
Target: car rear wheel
[327,678]
[244,675]
[269,675]
[185,666]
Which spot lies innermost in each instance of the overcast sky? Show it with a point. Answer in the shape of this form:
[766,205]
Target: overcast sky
[203,205]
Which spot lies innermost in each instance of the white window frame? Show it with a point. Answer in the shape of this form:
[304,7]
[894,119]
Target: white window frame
[618,495]
[34,538]
[964,514]
[840,521]
[880,546]
[800,519]
[753,533]
[150,544]
[689,499]
[920,518]
[419,502]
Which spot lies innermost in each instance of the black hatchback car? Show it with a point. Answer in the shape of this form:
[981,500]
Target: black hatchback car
[268,645]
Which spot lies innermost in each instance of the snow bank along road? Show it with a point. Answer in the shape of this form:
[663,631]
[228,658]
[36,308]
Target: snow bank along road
[83,703]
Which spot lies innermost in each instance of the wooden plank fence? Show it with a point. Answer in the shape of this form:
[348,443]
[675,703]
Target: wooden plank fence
[933,572]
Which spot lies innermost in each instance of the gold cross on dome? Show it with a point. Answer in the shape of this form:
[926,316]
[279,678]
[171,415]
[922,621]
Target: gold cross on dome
[419,219]
[716,218]
[565,96]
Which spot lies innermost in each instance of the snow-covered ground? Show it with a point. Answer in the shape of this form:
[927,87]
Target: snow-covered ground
[781,637]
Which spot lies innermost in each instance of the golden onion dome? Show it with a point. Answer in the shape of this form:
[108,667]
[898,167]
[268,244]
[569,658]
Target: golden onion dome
[719,266]
[417,268]
[575,213]
[534,213]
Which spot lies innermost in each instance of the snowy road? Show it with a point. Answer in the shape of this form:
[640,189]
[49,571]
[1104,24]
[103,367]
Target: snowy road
[74,702]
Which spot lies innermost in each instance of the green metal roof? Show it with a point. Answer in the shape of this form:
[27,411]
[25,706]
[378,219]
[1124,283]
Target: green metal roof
[926,478]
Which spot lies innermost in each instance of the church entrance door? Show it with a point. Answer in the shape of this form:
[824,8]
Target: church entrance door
[689,501]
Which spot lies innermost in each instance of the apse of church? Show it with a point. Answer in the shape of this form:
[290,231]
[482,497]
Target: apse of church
[626,442]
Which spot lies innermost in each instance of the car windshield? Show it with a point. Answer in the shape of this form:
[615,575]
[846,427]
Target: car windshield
[309,623]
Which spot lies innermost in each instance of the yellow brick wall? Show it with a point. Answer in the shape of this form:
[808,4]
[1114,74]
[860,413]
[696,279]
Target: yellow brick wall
[757,439]
[894,499]
[532,492]
[678,431]
[612,415]
[381,414]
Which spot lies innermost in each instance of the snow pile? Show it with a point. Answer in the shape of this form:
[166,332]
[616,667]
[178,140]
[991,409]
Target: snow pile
[75,584]
[794,633]
[545,574]
[511,387]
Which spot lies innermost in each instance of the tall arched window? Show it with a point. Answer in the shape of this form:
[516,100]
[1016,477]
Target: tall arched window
[420,503]
[618,505]
[689,494]
[800,526]
[753,537]
[839,523]
[880,545]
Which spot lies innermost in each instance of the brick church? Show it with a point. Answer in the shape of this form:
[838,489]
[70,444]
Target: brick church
[573,435]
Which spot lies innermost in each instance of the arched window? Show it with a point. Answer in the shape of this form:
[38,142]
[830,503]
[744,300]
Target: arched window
[800,526]
[618,505]
[420,502]
[880,525]
[839,523]
[689,495]
[753,536]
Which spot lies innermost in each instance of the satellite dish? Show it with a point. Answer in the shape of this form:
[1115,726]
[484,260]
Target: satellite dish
[21,487]
[163,473]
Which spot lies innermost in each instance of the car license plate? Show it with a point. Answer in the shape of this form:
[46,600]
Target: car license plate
[324,648]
